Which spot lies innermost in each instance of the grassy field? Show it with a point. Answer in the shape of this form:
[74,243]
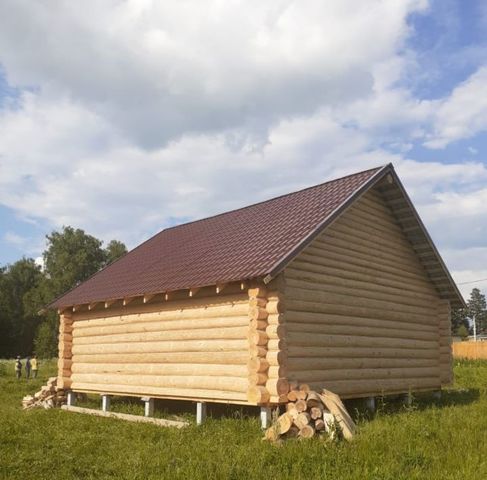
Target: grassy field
[444,439]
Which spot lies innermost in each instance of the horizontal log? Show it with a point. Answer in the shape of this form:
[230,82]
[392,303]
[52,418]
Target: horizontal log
[351,388]
[275,306]
[277,371]
[231,384]
[327,283]
[221,306]
[276,345]
[162,347]
[354,311]
[276,331]
[223,334]
[296,365]
[257,292]
[278,386]
[177,369]
[258,395]
[316,376]
[276,358]
[276,318]
[258,313]
[257,351]
[162,422]
[64,382]
[373,270]
[360,331]
[323,340]
[160,392]
[64,363]
[257,379]
[257,365]
[294,317]
[257,337]
[299,293]
[162,326]
[215,358]
[257,324]
[257,302]
[358,352]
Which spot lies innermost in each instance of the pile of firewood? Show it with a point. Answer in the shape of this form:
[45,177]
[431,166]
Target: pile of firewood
[309,413]
[48,396]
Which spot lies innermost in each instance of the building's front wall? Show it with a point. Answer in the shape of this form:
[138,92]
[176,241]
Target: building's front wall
[194,348]
[362,318]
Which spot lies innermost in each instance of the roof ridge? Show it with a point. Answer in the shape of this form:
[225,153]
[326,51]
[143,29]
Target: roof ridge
[271,199]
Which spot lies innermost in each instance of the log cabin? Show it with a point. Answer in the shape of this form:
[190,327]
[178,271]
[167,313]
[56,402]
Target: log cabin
[338,286]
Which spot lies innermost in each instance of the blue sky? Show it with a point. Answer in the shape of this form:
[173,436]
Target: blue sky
[123,118]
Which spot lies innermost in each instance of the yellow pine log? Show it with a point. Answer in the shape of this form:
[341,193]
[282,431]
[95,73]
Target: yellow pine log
[276,345]
[329,319]
[161,347]
[345,252]
[257,379]
[276,331]
[357,248]
[298,365]
[277,387]
[257,302]
[277,358]
[276,319]
[231,357]
[258,395]
[377,387]
[302,419]
[374,269]
[168,392]
[294,351]
[275,306]
[357,277]
[257,324]
[300,405]
[228,333]
[231,384]
[257,313]
[320,306]
[336,298]
[257,292]
[257,351]
[162,326]
[324,340]
[329,284]
[257,337]
[177,369]
[316,376]
[64,382]
[187,309]
[257,365]
[64,363]
[277,371]
[359,330]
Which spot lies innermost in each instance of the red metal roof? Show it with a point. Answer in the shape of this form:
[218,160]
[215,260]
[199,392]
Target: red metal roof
[242,244]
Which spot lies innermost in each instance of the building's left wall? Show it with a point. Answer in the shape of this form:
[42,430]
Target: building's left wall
[192,348]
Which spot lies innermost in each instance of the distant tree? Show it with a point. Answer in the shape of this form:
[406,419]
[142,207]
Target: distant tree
[114,250]
[462,332]
[477,308]
[18,323]
[458,319]
[71,257]
[46,341]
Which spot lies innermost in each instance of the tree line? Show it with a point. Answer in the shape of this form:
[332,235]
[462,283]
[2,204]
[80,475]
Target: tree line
[462,318]
[70,257]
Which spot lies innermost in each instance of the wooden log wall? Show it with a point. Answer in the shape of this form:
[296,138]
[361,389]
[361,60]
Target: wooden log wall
[446,354]
[192,348]
[362,317]
[65,351]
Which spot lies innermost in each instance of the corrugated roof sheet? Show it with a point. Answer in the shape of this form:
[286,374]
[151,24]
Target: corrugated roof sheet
[238,245]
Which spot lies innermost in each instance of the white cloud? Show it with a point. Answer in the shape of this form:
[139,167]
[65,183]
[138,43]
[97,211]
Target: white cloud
[463,114]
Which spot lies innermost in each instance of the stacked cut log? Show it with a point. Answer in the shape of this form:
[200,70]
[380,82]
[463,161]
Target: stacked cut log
[65,350]
[49,396]
[309,413]
[258,365]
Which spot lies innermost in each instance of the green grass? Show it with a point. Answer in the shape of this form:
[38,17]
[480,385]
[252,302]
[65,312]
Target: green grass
[444,439]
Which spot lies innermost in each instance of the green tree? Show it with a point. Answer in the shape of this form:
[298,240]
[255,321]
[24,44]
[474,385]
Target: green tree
[114,250]
[458,319]
[477,308]
[462,332]
[46,341]
[17,322]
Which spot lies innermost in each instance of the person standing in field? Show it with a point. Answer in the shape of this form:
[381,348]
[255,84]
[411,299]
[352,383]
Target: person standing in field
[27,367]
[34,366]
[18,367]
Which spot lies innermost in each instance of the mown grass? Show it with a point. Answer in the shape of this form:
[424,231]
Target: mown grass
[445,439]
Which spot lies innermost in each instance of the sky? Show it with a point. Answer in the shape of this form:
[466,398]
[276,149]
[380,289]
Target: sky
[126,117]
